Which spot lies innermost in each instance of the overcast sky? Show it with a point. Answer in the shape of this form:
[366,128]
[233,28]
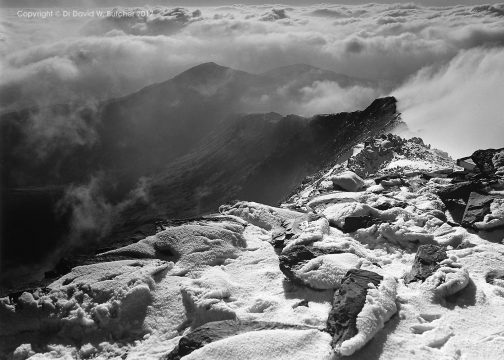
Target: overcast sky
[85,3]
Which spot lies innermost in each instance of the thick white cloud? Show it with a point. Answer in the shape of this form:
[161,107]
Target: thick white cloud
[61,61]
[458,106]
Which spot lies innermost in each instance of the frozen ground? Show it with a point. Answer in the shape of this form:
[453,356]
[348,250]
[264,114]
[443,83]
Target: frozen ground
[259,282]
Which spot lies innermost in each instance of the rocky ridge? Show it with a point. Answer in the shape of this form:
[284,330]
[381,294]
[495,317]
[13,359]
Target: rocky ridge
[395,253]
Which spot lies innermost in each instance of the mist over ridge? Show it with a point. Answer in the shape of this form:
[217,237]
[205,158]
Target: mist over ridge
[400,48]
[94,107]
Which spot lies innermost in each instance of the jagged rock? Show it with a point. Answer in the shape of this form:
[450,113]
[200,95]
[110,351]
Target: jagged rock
[348,181]
[460,190]
[498,163]
[376,152]
[379,179]
[483,160]
[296,257]
[348,303]
[354,223]
[426,262]
[494,218]
[219,330]
[493,275]
[477,207]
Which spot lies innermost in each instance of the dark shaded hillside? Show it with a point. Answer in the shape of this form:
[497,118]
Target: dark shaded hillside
[258,157]
[181,134]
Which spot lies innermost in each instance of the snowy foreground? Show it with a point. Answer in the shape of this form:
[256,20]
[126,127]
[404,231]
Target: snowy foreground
[368,261]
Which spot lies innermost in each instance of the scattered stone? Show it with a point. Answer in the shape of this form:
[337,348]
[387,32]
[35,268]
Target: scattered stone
[426,262]
[348,181]
[494,275]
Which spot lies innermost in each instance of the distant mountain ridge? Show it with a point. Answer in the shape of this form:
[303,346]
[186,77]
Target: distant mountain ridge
[173,133]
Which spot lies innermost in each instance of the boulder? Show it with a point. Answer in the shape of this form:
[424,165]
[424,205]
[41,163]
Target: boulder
[498,162]
[494,275]
[494,218]
[426,262]
[338,213]
[298,256]
[347,304]
[461,190]
[354,223]
[483,160]
[477,207]
[326,271]
[348,181]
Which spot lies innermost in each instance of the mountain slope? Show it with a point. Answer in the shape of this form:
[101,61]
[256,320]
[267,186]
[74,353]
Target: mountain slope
[99,156]
[347,268]
[257,157]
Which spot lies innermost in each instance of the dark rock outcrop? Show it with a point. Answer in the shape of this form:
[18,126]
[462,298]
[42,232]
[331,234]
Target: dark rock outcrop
[477,207]
[348,303]
[354,223]
[426,262]
[460,190]
[493,275]
[483,160]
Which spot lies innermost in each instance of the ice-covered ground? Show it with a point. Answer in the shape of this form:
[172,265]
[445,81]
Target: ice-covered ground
[370,261]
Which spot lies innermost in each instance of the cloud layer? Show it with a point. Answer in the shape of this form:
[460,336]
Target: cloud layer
[403,46]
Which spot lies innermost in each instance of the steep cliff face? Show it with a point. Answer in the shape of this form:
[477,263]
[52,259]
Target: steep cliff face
[367,259]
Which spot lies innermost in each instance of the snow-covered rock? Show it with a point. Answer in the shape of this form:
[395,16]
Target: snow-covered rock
[405,262]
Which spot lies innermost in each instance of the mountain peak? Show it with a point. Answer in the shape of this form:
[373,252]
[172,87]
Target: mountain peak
[208,69]
[380,104]
[208,72]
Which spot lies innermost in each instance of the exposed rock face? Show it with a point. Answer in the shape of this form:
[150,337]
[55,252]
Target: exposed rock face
[426,262]
[348,303]
[483,160]
[354,223]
